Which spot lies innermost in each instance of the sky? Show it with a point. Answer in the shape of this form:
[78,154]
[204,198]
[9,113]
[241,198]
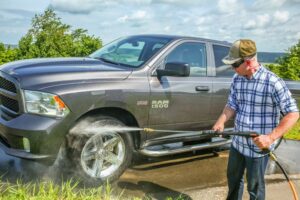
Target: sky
[273,24]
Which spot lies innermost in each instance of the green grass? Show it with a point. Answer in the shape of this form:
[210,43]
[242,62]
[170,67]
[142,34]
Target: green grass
[50,191]
[294,133]
[70,190]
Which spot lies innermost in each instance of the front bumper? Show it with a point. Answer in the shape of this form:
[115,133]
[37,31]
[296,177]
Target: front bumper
[21,153]
[45,136]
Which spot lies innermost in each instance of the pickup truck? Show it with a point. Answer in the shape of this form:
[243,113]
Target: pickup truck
[91,112]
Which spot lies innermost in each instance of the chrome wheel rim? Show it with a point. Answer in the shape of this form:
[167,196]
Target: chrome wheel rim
[103,154]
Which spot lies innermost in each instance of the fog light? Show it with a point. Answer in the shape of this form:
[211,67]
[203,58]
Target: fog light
[26,144]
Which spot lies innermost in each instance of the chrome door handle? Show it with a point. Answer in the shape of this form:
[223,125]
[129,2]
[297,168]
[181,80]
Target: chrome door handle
[202,88]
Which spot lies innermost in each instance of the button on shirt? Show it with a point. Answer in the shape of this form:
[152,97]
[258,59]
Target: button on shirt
[258,102]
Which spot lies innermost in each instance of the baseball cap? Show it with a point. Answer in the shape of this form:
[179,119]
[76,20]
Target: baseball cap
[239,50]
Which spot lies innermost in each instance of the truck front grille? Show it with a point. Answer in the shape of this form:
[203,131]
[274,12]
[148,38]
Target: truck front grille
[9,103]
[9,97]
[7,85]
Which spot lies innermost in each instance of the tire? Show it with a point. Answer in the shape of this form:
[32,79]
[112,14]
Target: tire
[98,150]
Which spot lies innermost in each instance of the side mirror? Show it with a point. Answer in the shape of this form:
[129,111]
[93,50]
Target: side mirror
[174,69]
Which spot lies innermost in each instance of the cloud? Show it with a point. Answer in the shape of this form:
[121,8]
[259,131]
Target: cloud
[88,6]
[229,6]
[138,15]
[281,16]
[264,5]
[180,2]
[167,28]
[261,21]
[74,6]
[251,24]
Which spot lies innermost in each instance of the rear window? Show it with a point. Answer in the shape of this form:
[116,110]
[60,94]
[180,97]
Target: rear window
[222,70]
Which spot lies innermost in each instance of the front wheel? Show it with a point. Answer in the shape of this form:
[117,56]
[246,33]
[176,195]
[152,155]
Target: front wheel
[103,155]
[99,150]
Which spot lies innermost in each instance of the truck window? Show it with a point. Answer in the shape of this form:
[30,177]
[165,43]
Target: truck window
[222,70]
[192,53]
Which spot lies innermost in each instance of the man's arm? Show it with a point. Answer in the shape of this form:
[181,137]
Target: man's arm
[227,114]
[286,123]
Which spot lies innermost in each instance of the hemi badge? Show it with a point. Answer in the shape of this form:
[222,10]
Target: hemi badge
[142,103]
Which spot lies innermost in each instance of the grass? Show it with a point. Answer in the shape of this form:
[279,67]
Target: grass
[69,190]
[294,133]
[50,191]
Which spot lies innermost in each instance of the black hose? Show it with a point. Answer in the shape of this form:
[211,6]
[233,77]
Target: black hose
[273,157]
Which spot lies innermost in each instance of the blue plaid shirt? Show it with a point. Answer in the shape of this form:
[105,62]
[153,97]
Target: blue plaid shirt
[257,103]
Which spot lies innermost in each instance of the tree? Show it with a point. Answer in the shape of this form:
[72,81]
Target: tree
[7,54]
[49,37]
[288,67]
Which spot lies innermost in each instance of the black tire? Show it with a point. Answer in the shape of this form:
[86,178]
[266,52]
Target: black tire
[81,140]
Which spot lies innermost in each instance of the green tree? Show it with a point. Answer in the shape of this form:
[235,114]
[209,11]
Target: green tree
[288,67]
[49,37]
[7,54]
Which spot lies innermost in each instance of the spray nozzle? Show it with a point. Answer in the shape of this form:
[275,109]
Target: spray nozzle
[149,130]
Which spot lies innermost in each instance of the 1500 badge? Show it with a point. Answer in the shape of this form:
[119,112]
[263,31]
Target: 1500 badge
[160,104]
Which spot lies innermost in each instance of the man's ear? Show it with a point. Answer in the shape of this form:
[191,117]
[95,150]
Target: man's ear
[248,63]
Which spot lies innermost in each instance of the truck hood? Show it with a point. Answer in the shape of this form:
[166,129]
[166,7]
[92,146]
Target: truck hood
[48,72]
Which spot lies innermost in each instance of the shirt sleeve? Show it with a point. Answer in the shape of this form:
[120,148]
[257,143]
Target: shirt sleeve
[283,98]
[232,101]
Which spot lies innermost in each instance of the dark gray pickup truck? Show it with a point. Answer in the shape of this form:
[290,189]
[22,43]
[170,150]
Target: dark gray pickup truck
[79,109]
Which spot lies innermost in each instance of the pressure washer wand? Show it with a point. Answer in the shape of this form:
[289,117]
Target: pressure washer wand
[206,132]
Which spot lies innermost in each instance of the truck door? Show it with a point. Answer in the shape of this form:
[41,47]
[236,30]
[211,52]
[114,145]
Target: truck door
[182,102]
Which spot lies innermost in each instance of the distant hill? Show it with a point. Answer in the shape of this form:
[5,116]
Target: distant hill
[11,45]
[269,57]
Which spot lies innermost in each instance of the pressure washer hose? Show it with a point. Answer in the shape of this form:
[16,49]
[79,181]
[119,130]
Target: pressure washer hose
[248,134]
[274,158]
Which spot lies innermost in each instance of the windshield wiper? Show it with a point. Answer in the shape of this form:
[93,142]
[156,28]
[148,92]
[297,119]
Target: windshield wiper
[108,61]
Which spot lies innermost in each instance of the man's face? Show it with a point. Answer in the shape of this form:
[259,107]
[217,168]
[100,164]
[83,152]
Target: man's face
[246,67]
[241,69]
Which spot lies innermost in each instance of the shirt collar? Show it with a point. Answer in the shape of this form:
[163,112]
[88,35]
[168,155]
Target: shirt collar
[256,75]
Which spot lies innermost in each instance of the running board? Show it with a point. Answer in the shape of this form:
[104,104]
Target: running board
[183,149]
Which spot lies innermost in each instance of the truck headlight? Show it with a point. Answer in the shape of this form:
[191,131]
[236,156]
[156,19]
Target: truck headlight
[44,104]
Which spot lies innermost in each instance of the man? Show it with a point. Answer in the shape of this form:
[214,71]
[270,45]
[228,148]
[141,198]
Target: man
[257,97]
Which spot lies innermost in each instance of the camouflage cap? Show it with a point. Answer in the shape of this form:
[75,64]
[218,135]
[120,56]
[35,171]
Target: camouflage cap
[239,50]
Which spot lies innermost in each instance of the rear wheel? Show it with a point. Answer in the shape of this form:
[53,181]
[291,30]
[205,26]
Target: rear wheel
[98,149]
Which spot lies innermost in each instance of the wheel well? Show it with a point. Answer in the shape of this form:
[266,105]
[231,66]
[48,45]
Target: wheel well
[123,115]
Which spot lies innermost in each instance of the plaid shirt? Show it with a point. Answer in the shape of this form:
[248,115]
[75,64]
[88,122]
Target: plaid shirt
[258,102]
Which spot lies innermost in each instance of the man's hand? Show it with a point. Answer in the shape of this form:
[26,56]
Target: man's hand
[218,127]
[263,141]
[224,117]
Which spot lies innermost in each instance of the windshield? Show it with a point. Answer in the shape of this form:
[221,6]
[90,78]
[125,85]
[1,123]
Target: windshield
[130,51]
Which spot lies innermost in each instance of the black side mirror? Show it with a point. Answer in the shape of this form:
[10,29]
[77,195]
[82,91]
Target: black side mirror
[174,69]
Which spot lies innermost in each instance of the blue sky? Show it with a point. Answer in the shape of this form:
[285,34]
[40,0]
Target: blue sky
[273,24]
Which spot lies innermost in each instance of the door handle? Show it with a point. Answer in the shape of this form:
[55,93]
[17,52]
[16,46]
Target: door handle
[202,88]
